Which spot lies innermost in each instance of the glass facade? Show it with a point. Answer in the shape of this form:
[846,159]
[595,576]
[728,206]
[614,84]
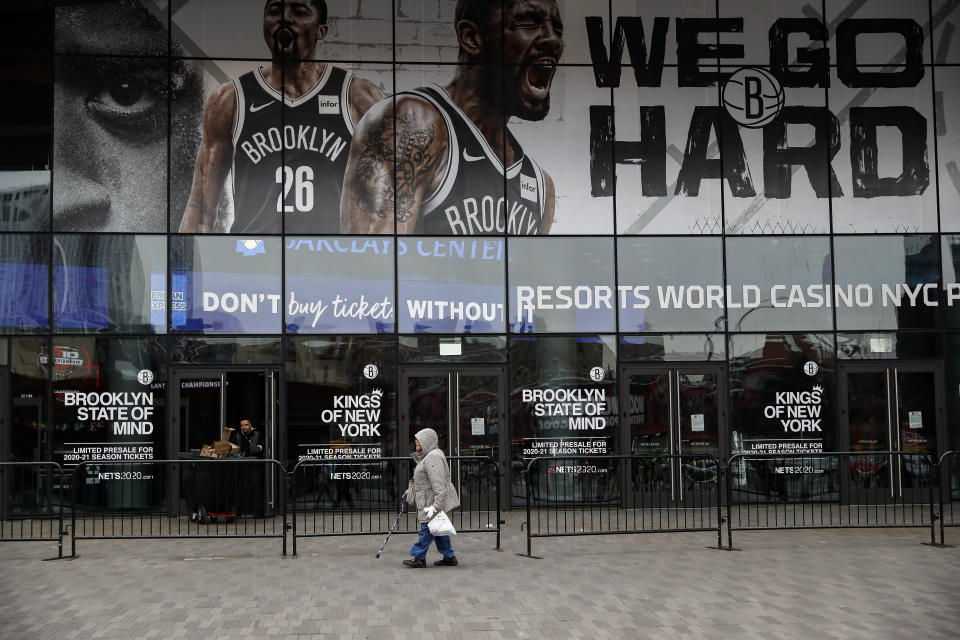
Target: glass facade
[324,193]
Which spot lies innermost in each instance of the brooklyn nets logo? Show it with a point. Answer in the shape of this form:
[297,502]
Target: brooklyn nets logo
[753,97]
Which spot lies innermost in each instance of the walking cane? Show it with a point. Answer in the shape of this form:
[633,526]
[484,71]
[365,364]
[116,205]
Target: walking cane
[403,507]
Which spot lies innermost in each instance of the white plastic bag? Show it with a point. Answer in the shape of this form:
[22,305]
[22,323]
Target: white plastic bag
[441,525]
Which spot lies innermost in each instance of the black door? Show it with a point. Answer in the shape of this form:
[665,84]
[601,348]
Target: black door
[465,405]
[890,407]
[672,411]
[206,402]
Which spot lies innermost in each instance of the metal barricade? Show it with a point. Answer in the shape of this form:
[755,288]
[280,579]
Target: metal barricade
[622,494]
[32,508]
[948,490]
[206,498]
[829,490]
[341,497]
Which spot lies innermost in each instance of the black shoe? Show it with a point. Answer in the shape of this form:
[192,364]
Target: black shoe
[415,563]
[447,562]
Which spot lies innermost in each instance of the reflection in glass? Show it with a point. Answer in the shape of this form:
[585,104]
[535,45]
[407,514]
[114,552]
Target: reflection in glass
[680,278]
[561,285]
[893,282]
[675,348]
[339,285]
[226,285]
[321,373]
[24,283]
[780,283]
[451,286]
[110,283]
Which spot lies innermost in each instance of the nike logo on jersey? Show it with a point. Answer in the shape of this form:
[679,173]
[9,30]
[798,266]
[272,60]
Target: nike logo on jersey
[254,108]
[470,158]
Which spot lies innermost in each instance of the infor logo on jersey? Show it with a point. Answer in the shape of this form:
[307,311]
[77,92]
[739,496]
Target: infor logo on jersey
[328,105]
[528,187]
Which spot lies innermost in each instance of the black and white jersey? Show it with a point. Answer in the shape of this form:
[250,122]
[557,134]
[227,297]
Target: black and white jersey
[470,199]
[290,164]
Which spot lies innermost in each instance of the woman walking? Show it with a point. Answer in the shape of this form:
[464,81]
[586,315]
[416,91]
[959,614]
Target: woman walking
[432,492]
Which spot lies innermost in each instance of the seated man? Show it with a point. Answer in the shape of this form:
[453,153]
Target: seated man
[248,439]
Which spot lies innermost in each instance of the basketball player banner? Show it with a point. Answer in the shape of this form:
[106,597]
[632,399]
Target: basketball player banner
[624,117]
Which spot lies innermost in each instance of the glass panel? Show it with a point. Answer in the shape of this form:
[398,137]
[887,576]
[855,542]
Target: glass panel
[950,250]
[226,285]
[679,348]
[561,284]
[670,8]
[230,29]
[341,398]
[582,181]
[699,415]
[758,18]
[339,285]
[109,405]
[132,27]
[906,345]
[785,164]
[110,144]
[782,395]
[648,413]
[24,283]
[25,151]
[868,405]
[778,283]
[562,399]
[200,419]
[429,402]
[887,282]
[319,121]
[674,283]
[233,350]
[29,428]
[110,283]
[479,415]
[917,414]
[884,170]
[947,105]
[667,177]
[425,30]
[451,286]
[424,348]
[882,48]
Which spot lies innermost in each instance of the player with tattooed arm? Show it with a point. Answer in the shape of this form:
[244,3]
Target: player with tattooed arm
[456,168]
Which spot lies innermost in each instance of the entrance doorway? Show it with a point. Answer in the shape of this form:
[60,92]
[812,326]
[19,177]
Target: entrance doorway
[205,402]
[891,407]
[465,405]
[676,410]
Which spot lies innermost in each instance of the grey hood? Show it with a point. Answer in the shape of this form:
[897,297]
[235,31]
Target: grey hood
[428,442]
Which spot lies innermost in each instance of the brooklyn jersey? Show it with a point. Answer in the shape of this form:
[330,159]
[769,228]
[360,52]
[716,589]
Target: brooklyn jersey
[470,199]
[289,162]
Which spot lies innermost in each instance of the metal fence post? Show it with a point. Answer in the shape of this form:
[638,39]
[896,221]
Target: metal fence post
[496,480]
[529,489]
[293,506]
[721,482]
[729,491]
[73,512]
[934,480]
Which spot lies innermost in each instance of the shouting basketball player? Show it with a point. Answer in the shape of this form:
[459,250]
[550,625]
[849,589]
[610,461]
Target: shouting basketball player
[458,169]
[242,131]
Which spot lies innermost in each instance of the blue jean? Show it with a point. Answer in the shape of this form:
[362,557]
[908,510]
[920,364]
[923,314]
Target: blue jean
[419,549]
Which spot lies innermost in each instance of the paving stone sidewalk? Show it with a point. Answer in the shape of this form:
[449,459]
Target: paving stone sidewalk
[787,584]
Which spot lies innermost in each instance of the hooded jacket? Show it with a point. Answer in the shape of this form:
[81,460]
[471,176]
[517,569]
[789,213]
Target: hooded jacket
[431,485]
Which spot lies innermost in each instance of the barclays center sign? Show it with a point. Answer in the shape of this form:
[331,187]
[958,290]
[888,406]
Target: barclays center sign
[795,135]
